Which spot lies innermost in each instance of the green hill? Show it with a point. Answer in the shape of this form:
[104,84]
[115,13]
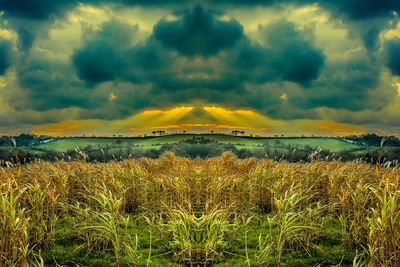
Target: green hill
[65,144]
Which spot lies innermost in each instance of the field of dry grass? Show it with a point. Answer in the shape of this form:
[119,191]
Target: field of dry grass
[219,211]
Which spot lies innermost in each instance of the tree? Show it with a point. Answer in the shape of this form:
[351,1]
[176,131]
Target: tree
[235,132]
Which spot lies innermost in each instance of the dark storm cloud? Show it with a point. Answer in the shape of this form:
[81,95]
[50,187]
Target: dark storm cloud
[108,56]
[31,18]
[96,62]
[288,55]
[392,55]
[297,58]
[355,9]
[5,56]
[43,9]
[367,17]
[49,84]
[350,85]
[361,9]
[199,32]
[26,36]
[100,58]
[34,9]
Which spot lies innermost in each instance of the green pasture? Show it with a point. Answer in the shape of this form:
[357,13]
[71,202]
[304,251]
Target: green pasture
[63,145]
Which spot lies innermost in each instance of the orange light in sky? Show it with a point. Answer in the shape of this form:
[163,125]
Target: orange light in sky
[329,127]
[62,128]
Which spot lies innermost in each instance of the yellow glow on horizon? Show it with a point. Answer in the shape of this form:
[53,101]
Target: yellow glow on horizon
[112,96]
[187,126]
[241,117]
[181,119]
[172,119]
[156,117]
[221,110]
[171,111]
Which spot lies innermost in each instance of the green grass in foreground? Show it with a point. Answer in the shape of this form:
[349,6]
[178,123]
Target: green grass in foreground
[68,251]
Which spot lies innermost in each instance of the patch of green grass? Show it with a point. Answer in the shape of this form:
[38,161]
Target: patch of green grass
[332,145]
[69,251]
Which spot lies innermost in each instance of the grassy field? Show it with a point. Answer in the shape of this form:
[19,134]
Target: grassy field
[215,212]
[63,145]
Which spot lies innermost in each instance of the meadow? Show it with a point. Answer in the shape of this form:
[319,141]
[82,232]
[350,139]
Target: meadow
[63,145]
[200,212]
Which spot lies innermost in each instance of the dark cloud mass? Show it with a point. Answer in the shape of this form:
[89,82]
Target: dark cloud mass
[35,9]
[109,55]
[360,9]
[355,9]
[96,62]
[198,32]
[5,54]
[288,55]
[297,58]
[392,55]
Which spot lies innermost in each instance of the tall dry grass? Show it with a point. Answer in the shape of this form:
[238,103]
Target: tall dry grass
[297,196]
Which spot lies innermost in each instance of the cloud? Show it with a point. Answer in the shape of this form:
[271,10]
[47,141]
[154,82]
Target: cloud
[296,57]
[5,120]
[109,55]
[284,53]
[44,9]
[354,9]
[360,9]
[392,55]
[198,32]
[96,62]
[5,56]
[34,9]
[100,58]
[47,84]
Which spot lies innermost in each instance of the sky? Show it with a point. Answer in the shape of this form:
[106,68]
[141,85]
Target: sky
[293,67]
